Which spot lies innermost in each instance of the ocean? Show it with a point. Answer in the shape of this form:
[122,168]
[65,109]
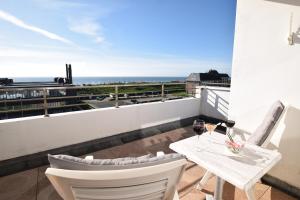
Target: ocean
[103,80]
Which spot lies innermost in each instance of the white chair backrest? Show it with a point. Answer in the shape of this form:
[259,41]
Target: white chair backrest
[244,135]
[279,127]
[146,183]
[276,126]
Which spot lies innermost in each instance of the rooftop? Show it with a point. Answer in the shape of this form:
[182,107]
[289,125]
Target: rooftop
[265,68]
[33,184]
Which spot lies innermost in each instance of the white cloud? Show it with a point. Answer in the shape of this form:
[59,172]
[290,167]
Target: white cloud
[88,27]
[12,19]
[59,4]
[39,62]
[99,39]
[85,26]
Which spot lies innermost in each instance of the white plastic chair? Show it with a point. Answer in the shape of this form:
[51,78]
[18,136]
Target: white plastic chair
[145,183]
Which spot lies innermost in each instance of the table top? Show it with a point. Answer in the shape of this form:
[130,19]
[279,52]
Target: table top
[242,170]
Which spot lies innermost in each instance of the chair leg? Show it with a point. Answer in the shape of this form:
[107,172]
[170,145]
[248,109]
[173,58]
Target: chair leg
[176,196]
[204,180]
[250,194]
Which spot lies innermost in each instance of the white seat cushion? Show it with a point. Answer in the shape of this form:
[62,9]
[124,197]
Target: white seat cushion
[265,128]
[75,163]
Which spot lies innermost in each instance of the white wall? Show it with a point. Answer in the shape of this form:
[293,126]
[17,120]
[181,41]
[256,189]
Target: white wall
[286,139]
[24,136]
[215,101]
[266,69]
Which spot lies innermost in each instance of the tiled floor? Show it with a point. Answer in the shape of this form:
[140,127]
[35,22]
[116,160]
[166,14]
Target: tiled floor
[34,185]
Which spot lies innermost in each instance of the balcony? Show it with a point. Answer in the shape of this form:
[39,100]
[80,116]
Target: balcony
[265,68]
[33,184]
[128,130]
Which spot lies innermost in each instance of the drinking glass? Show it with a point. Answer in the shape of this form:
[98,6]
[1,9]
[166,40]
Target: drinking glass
[210,127]
[229,124]
[199,127]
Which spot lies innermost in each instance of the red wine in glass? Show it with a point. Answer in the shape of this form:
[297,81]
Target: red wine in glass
[199,127]
[230,123]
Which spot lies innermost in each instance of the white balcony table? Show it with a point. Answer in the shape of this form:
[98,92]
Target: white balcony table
[242,170]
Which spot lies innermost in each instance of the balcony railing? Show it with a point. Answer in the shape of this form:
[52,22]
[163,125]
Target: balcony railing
[20,102]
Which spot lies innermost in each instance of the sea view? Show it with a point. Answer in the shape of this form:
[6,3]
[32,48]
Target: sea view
[149,100]
[103,80]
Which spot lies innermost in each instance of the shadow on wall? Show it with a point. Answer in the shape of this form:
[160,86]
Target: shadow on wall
[297,36]
[291,2]
[213,105]
[286,141]
[294,3]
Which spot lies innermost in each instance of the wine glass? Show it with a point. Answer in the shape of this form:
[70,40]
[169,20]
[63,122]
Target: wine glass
[210,127]
[199,127]
[230,123]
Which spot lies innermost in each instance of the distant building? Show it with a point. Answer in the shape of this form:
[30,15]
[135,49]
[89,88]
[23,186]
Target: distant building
[57,81]
[212,77]
[18,99]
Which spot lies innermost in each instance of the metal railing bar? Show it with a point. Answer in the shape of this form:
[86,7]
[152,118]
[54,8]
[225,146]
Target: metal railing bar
[82,96]
[45,97]
[54,98]
[162,92]
[116,96]
[42,108]
[87,87]
[45,104]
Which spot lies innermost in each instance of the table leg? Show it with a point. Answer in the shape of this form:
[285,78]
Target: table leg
[250,193]
[218,190]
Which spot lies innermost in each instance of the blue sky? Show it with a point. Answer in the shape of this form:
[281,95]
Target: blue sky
[115,37]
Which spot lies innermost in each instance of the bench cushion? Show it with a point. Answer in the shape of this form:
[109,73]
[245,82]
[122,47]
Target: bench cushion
[264,129]
[75,163]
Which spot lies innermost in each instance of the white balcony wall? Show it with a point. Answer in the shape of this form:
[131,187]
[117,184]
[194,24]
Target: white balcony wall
[214,101]
[23,136]
[266,69]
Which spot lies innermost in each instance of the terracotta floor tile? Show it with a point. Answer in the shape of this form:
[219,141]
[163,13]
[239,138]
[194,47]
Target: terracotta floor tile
[167,137]
[103,154]
[190,179]
[209,188]
[193,194]
[45,189]
[128,150]
[230,192]
[19,186]
[274,194]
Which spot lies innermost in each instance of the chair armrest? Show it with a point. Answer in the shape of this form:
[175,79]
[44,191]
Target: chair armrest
[242,134]
[89,158]
[160,153]
[176,196]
